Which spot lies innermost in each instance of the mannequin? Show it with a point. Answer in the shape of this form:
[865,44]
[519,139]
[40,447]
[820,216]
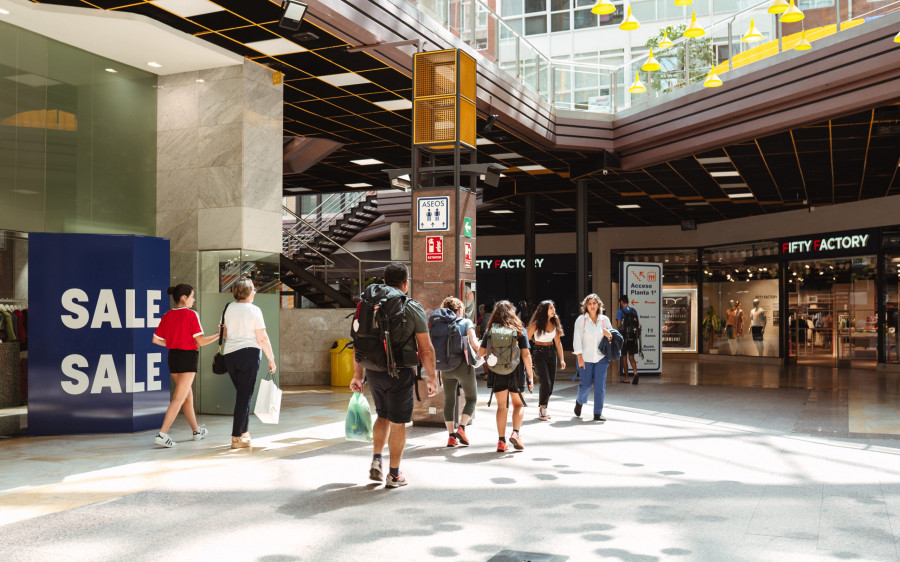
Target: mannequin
[758,326]
[739,326]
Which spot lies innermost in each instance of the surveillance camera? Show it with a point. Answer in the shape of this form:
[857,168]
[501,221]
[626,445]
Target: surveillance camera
[605,172]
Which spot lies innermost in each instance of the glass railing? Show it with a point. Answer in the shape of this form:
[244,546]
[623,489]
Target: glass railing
[568,84]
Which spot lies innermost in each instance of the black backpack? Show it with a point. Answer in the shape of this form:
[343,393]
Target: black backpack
[444,329]
[631,324]
[381,330]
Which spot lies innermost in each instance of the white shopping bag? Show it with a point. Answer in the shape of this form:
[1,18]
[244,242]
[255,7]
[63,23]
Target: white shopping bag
[268,402]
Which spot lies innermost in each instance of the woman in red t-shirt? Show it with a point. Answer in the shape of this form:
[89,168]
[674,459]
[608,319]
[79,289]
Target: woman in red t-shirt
[179,331]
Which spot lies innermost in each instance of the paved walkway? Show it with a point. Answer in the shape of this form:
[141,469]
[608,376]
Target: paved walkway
[702,471]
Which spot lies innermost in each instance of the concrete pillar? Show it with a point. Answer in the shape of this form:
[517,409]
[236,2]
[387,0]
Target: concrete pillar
[219,137]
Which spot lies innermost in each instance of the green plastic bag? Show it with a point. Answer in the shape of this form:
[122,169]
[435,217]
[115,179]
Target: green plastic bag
[358,426]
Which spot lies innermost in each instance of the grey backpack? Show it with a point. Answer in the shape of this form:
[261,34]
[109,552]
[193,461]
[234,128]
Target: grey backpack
[505,347]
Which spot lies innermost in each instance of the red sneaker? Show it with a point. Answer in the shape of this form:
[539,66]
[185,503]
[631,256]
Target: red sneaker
[501,446]
[452,441]
[461,435]
[516,440]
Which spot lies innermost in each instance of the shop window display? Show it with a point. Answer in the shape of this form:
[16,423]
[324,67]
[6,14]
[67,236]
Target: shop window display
[679,321]
[13,318]
[741,301]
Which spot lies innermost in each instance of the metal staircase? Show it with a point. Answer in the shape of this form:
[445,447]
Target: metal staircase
[308,261]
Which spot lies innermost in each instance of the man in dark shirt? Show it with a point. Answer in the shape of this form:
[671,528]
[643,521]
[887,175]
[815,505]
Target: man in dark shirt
[394,396]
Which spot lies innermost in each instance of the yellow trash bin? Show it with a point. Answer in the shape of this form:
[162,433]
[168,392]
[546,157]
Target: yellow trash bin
[342,362]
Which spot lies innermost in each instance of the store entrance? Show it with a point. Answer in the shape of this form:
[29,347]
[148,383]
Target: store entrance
[831,312]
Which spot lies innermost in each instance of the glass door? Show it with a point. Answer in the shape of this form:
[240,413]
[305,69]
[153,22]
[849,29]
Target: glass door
[857,321]
[832,312]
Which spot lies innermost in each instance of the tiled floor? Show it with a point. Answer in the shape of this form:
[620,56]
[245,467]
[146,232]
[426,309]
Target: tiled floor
[711,461]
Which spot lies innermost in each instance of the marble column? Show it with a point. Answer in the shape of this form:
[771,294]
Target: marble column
[219,138]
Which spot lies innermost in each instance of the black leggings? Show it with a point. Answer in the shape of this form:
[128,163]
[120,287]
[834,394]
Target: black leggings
[544,359]
[242,366]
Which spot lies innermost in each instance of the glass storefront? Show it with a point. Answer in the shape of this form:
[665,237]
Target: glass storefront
[831,299]
[741,308]
[77,142]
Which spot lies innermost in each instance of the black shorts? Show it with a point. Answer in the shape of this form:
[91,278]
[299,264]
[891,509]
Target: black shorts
[184,360]
[629,347]
[757,332]
[514,381]
[393,397]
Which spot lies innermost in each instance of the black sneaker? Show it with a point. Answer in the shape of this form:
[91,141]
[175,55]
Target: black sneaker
[598,417]
[578,408]
[634,380]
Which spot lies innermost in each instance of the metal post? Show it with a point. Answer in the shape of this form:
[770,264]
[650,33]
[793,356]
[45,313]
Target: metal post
[837,12]
[552,94]
[614,91]
[780,43]
[537,77]
[581,239]
[730,46]
[518,58]
[687,61]
[530,282]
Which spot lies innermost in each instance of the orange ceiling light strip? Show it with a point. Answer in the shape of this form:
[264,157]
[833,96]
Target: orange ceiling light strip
[50,119]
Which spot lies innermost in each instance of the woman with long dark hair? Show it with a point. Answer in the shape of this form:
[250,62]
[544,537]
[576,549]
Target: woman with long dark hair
[511,385]
[179,331]
[589,328]
[545,331]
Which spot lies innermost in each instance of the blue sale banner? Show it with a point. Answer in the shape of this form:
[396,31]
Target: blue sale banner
[94,301]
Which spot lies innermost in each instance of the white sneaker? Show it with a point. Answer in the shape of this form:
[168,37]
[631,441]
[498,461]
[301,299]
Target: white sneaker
[163,440]
[200,433]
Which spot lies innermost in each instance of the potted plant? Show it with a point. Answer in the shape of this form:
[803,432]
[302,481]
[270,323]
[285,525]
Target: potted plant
[712,326]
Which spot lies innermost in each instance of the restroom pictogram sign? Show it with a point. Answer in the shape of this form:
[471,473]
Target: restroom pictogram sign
[434,248]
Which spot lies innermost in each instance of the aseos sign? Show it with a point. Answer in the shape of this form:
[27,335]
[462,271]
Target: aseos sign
[94,301]
[832,244]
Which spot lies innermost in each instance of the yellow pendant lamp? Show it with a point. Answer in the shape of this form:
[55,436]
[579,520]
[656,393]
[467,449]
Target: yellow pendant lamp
[638,86]
[778,6]
[753,34]
[652,64]
[666,42]
[803,44]
[683,2]
[630,23]
[712,79]
[694,30]
[603,7]
[792,14]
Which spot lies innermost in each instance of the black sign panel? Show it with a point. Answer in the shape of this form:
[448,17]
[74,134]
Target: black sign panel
[831,245]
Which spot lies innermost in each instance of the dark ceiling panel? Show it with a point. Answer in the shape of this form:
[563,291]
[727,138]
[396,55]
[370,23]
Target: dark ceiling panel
[781,170]
[217,21]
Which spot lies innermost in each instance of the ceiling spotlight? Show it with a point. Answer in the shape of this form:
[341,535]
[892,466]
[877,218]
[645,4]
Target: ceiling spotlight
[292,14]
[111,70]
[154,64]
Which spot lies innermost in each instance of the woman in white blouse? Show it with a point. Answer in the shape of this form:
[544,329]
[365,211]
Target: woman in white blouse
[589,328]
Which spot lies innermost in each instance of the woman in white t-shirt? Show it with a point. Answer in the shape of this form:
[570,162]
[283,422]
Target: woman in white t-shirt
[589,328]
[245,336]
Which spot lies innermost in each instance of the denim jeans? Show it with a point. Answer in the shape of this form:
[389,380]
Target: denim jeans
[593,374]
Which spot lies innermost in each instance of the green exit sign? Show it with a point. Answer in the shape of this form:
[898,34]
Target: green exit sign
[467,227]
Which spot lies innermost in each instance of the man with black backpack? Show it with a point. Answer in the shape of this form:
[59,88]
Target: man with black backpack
[390,337]
[629,325]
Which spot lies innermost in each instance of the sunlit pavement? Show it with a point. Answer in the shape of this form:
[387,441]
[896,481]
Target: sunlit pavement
[725,470]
